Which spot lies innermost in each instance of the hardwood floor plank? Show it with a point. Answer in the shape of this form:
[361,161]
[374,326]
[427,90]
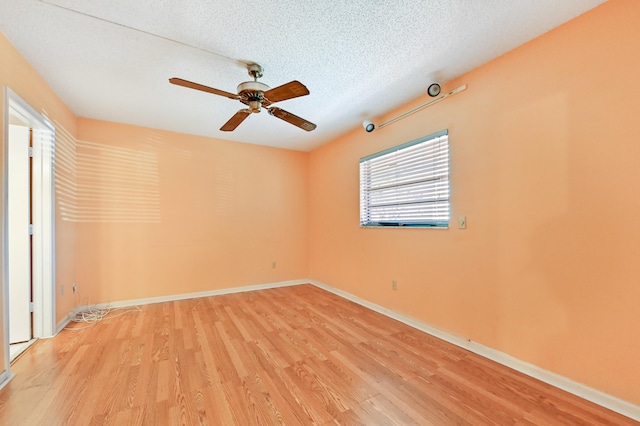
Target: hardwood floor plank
[284,347]
[370,380]
[382,408]
[322,338]
[327,402]
[236,361]
[293,410]
[239,325]
[268,356]
[344,380]
[343,399]
[486,405]
[306,401]
[217,410]
[235,400]
[261,409]
[127,397]
[181,397]
[157,413]
[205,342]
[164,380]
[291,355]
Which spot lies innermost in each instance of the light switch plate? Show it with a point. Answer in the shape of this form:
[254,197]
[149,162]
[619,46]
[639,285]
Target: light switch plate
[462,222]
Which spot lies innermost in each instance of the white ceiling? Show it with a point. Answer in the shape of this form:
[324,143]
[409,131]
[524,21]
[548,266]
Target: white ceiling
[111,59]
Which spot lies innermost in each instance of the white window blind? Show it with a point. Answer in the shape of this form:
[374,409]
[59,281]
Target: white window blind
[407,185]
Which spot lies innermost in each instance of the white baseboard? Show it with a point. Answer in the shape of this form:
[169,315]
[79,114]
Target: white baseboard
[66,320]
[183,296]
[615,404]
[5,378]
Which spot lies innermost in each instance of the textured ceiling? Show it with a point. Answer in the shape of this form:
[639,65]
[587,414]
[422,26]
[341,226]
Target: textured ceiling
[111,59]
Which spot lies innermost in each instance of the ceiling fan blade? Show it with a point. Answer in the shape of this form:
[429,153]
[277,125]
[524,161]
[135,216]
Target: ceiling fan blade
[235,121]
[192,85]
[290,90]
[292,119]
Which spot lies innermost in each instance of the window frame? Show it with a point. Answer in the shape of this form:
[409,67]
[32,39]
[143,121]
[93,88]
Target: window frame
[427,223]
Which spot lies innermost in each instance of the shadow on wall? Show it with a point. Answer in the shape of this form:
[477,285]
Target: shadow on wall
[216,172]
[101,183]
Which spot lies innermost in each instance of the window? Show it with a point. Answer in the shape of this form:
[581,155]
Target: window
[407,185]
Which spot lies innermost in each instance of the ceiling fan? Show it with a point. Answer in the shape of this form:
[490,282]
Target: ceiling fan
[256,95]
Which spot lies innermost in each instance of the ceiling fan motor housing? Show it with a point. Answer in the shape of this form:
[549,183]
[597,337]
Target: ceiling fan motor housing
[251,93]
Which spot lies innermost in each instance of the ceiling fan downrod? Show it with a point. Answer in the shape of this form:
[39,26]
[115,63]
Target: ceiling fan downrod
[256,71]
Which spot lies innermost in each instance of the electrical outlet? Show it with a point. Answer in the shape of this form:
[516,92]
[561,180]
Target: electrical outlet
[273,265]
[75,288]
[394,285]
[62,290]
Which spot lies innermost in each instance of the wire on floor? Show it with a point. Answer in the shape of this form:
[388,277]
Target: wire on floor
[94,314]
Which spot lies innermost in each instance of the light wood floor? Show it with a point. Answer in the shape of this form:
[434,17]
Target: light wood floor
[294,355]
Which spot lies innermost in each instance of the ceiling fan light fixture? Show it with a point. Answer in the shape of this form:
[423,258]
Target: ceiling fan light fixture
[254,106]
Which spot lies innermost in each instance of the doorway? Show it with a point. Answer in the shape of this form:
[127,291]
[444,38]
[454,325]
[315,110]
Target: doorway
[28,228]
[19,221]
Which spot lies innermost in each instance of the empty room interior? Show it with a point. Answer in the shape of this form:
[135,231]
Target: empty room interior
[196,254]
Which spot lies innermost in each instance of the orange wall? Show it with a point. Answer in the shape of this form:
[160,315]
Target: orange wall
[217,215]
[545,165]
[17,74]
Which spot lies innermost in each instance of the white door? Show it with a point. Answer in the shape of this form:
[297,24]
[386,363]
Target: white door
[18,236]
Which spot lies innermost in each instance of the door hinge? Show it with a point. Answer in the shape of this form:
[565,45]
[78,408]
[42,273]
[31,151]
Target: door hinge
[30,306]
[30,229]
[30,151]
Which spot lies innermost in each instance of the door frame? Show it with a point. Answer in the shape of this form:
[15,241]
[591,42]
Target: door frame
[43,212]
